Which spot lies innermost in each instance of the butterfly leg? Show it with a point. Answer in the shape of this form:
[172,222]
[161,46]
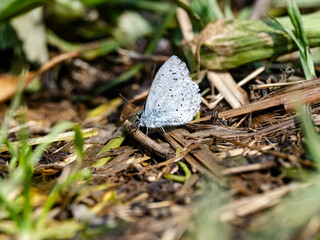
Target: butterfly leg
[135,124]
[164,132]
[162,129]
[138,127]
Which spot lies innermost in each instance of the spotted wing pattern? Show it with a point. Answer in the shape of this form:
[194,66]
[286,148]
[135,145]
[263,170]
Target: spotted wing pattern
[173,98]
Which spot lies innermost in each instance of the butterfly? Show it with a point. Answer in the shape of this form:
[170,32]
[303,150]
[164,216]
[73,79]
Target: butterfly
[173,99]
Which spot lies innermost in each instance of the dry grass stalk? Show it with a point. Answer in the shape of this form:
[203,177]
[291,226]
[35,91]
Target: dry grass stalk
[248,168]
[203,155]
[185,24]
[247,79]
[308,92]
[226,85]
[9,83]
[253,204]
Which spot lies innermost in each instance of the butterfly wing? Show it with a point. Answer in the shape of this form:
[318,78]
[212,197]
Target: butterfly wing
[178,105]
[172,71]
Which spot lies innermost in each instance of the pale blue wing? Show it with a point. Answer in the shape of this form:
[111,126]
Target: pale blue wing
[172,71]
[177,106]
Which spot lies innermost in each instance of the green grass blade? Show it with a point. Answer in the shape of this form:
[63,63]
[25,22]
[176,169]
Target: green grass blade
[137,68]
[161,30]
[300,40]
[12,8]
[296,20]
[214,7]
[192,14]
[50,138]
[66,179]
[78,143]
[112,144]
[120,79]
[12,211]
[311,137]
[227,11]
[15,103]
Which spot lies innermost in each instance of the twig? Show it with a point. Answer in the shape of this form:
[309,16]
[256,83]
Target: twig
[148,143]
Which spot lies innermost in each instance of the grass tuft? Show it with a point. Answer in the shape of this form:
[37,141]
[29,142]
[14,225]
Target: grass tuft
[300,39]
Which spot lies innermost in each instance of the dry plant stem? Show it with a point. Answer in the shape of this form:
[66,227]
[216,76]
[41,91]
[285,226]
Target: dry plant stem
[226,85]
[283,84]
[205,102]
[204,131]
[231,133]
[204,155]
[147,142]
[308,92]
[139,97]
[292,158]
[191,160]
[253,204]
[248,168]
[225,45]
[251,76]
[185,24]
[66,136]
[231,153]
[182,155]
[129,57]
[121,163]
[260,8]
[9,83]
[160,151]
[248,78]
[56,60]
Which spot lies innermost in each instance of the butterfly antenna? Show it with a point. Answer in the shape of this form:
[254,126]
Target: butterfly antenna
[153,70]
[129,101]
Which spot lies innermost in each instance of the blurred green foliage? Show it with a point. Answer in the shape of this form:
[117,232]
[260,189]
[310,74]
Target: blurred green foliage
[12,8]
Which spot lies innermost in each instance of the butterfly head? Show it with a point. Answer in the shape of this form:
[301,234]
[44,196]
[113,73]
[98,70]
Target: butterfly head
[140,119]
[144,121]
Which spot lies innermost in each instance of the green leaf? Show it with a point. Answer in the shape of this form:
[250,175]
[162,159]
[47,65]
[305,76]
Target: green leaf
[112,144]
[209,10]
[140,28]
[12,8]
[150,5]
[34,45]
